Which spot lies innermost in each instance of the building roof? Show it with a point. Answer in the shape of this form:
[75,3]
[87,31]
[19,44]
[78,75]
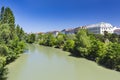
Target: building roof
[117,30]
[101,24]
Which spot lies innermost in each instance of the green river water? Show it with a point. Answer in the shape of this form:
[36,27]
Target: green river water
[45,63]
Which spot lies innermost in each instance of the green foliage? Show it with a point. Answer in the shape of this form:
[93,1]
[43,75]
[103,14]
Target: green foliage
[7,16]
[114,38]
[97,50]
[11,40]
[3,70]
[31,38]
[70,36]
[47,39]
[4,33]
[50,41]
[69,45]
[40,39]
[60,40]
[112,57]
[2,13]
[3,50]
[99,37]
[82,43]
[20,33]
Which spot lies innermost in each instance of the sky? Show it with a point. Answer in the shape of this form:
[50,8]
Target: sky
[50,15]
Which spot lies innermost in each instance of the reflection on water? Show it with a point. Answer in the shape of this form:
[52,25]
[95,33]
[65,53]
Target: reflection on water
[44,63]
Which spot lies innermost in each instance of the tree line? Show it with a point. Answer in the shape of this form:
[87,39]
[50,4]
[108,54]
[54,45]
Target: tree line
[12,40]
[103,49]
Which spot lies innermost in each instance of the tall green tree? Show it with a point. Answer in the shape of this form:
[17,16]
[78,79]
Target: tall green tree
[11,40]
[3,70]
[7,16]
[5,33]
[50,40]
[69,45]
[82,43]
[2,13]
[112,57]
[31,38]
[60,40]
[20,33]
[97,50]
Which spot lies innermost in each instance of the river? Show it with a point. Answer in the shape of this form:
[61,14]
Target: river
[45,63]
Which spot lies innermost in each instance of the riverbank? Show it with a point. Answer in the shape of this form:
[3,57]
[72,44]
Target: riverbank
[103,49]
[46,63]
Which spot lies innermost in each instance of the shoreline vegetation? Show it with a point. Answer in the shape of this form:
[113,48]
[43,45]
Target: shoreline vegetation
[12,40]
[103,49]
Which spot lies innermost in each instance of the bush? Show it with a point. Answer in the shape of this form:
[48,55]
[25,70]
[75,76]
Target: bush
[69,45]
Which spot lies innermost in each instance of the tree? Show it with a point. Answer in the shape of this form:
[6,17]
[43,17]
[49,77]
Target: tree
[40,38]
[4,50]
[31,38]
[3,70]
[69,45]
[2,13]
[112,57]
[99,37]
[7,16]
[50,41]
[70,37]
[60,40]
[114,38]
[106,35]
[20,33]
[97,50]
[11,41]
[5,33]
[82,43]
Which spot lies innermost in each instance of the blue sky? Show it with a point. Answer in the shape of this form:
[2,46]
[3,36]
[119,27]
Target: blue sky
[49,15]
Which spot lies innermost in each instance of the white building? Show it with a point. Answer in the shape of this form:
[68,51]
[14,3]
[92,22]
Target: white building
[54,33]
[100,28]
[68,31]
[117,31]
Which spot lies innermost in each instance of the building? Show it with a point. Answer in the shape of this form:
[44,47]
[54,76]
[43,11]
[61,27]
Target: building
[117,31]
[72,30]
[55,33]
[100,28]
[63,31]
[68,31]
